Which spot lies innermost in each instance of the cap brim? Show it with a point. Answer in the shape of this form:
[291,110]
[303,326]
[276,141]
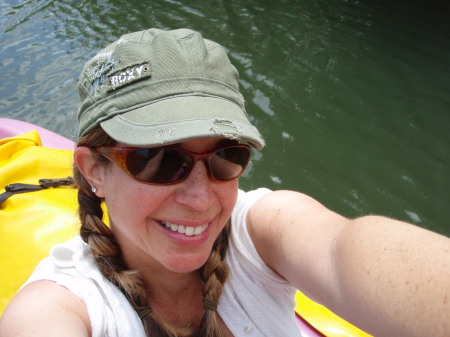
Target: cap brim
[182,118]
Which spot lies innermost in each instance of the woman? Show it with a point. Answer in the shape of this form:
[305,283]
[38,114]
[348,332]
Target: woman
[163,139]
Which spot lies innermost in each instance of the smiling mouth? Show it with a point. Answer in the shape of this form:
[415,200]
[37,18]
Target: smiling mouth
[188,231]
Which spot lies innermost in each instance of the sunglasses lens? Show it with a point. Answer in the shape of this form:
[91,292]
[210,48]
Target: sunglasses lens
[158,165]
[170,165]
[229,163]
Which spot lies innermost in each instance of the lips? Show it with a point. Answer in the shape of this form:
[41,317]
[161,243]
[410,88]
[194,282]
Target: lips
[186,230]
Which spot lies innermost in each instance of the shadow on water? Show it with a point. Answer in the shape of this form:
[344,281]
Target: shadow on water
[351,96]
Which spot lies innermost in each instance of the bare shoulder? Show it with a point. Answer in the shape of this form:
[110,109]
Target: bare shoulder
[44,308]
[292,208]
[295,235]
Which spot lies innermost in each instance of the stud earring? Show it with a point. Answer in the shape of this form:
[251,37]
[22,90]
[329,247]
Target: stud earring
[94,189]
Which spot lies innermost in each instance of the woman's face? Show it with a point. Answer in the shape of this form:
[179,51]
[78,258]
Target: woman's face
[173,226]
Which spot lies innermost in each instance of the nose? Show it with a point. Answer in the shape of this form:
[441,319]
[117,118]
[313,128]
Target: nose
[196,191]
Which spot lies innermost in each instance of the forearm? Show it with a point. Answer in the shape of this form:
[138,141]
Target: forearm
[385,276]
[393,278]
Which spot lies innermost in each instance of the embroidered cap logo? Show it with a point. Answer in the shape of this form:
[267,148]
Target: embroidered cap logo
[129,75]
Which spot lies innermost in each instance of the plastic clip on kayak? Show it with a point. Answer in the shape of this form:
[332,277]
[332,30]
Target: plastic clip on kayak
[46,183]
[43,184]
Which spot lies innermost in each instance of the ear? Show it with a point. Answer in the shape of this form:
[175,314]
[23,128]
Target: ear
[91,169]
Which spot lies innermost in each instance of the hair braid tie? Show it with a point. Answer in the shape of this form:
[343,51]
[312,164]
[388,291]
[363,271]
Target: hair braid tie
[209,304]
[143,311]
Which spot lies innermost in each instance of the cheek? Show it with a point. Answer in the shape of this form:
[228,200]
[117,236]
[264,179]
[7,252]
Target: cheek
[125,198]
[120,187]
[227,194]
[122,207]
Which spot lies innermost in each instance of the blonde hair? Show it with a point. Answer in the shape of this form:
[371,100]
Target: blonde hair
[107,254]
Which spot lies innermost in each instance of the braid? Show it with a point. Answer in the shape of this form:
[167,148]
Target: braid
[214,274]
[108,256]
[103,245]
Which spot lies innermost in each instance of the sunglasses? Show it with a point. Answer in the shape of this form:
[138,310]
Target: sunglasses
[171,165]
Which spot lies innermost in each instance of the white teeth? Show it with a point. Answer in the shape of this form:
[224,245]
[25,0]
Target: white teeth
[189,231]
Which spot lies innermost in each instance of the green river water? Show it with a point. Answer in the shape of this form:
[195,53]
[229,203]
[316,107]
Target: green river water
[352,97]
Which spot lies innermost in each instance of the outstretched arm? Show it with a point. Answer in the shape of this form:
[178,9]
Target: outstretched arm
[385,276]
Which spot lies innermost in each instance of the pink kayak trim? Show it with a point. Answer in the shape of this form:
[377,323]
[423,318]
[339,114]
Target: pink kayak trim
[12,127]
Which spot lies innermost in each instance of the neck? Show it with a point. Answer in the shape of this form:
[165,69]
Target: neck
[171,286]
[177,299]
[174,297]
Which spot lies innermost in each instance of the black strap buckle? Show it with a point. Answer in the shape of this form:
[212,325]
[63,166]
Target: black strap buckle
[46,183]
[43,184]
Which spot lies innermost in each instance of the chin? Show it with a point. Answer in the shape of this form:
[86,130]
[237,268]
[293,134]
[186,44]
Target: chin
[187,263]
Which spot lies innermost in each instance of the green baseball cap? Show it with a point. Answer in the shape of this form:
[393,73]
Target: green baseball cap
[157,87]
